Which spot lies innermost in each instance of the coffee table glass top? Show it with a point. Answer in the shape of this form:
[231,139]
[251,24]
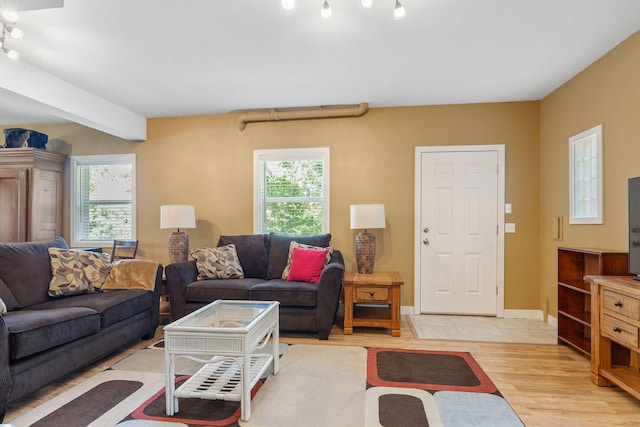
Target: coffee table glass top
[223,314]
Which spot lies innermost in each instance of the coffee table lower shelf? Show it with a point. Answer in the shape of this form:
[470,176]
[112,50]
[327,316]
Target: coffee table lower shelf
[222,378]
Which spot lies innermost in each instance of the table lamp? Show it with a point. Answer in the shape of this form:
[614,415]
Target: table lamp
[178,216]
[366,216]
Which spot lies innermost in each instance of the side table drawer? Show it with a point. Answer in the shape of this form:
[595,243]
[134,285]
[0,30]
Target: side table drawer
[372,294]
[619,331]
[621,304]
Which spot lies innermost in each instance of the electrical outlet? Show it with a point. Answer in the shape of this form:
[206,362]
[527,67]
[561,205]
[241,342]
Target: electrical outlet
[509,227]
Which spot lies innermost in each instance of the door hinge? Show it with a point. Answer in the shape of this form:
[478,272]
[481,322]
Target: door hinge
[497,290]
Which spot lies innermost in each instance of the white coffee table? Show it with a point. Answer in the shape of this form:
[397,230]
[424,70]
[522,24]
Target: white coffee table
[224,336]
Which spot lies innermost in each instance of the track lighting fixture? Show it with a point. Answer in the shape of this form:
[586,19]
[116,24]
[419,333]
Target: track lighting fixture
[325,11]
[399,11]
[7,21]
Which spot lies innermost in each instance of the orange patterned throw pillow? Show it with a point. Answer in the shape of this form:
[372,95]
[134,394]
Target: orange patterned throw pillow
[77,272]
[307,264]
[218,263]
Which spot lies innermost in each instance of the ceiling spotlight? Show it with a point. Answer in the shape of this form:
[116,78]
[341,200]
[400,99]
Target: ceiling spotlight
[12,54]
[9,16]
[366,3]
[14,32]
[325,11]
[398,11]
[288,4]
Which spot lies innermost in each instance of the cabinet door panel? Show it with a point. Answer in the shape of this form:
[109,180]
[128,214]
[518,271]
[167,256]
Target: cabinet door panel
[13,203]
[46,211]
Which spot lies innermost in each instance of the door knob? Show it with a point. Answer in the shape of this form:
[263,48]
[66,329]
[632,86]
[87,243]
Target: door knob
[426,229]
[426,242]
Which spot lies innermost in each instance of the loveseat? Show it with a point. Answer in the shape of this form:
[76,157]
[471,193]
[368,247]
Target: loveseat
[304,306]
[44,337]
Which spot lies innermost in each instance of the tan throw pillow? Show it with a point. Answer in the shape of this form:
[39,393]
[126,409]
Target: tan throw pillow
[77,272]
[294,244]
[218,263]
[132,274]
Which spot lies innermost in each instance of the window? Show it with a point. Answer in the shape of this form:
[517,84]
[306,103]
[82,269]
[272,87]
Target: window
[103,199]
[585,177]
[291,191]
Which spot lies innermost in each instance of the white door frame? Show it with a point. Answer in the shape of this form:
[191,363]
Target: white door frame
[418,232]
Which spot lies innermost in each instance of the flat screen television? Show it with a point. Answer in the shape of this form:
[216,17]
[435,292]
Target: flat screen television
[634,227]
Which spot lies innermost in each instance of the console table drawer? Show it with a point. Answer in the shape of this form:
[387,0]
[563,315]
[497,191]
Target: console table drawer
[619,331]
[372,294]
[615,303]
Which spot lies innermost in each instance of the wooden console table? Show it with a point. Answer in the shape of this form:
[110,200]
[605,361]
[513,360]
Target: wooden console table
[378,289]
[615,321]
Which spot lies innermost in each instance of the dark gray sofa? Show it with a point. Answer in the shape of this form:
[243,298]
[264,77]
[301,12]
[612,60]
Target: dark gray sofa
[304,307]
[44,338]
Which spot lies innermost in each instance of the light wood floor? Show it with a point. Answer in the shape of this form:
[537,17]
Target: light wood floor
[547,385]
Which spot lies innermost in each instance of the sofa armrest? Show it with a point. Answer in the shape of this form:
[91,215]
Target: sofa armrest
[179,275]
[155,306]
[5,373]
[328,297]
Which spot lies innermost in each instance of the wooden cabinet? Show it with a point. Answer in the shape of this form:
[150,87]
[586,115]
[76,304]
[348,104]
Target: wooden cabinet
[574,294]
[31,188]
[615,357]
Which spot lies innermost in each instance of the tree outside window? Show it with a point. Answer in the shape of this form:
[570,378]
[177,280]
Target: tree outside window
[291,191]
[103,202]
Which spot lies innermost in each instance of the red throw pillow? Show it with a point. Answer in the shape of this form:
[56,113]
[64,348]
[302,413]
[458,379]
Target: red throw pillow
[307,264]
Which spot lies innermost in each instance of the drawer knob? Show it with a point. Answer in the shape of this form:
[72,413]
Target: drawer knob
[371,294]
[617,329]
[618,303]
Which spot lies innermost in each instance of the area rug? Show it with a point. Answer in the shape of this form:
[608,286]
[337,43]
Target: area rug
[318,385]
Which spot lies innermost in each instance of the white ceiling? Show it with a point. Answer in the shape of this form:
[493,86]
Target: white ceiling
[158,58]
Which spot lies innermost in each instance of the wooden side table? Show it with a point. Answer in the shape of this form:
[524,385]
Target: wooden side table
[377,290]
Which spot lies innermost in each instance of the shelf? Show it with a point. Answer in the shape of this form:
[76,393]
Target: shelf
[574,294]
[579,343]
[583,317]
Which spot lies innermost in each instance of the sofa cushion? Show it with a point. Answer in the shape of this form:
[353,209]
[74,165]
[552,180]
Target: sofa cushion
[301,294]
[307,264]
[33,331]
[279,250]
[7,297]
[211,290]
[26,270]
[253,253]
[218,263]
[113,306]
[77,272]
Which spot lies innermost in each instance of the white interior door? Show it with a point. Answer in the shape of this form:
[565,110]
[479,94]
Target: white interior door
[459,232]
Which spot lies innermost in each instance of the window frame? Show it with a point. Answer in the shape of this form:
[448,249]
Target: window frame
[593,137]
[291,154]
[99,159]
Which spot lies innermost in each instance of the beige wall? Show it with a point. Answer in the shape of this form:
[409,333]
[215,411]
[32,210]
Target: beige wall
[607,93]
[207,161]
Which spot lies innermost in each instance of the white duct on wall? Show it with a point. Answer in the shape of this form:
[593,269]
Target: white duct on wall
[302,113]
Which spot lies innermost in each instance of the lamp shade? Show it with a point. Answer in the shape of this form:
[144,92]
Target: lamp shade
[367,216]
[177,216]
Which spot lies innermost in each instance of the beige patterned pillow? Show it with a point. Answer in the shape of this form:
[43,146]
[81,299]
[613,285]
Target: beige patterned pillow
[218,263]
[77,272]
[294,244]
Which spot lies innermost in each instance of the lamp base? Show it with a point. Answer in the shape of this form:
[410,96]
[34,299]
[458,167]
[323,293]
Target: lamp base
[365,252]
[178,246]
